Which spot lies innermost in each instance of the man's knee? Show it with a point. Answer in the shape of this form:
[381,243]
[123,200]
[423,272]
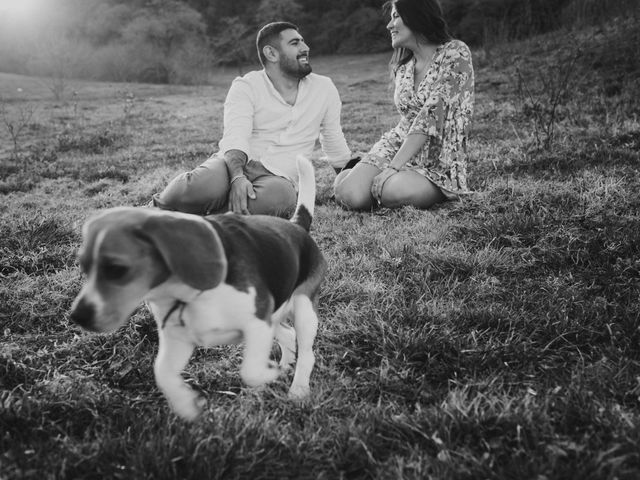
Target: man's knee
[274,196]
[199,191]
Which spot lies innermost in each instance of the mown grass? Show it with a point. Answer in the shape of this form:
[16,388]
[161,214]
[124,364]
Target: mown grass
[497,337]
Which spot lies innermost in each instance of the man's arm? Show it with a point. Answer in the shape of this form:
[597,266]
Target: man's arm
[238,121]
[235,160]
[332,138]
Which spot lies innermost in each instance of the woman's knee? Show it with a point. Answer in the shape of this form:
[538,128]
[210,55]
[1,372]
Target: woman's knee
[353,198]
[404,190]
[353,192]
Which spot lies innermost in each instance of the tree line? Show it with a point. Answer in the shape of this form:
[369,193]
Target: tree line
[180,41]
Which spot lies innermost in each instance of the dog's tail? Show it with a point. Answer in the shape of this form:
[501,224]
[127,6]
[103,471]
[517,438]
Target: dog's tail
[306,193]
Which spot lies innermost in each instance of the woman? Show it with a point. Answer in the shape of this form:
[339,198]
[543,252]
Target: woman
[423,160]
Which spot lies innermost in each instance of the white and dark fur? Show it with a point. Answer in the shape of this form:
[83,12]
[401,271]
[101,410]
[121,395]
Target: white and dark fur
[208,281]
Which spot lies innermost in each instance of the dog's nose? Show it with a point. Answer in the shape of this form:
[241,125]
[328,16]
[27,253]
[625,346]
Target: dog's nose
[83,314]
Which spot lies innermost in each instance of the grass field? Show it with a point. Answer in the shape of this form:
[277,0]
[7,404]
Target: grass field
[493,338]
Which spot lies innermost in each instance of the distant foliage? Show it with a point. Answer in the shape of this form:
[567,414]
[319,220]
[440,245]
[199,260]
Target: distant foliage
[276,10]
[479,22]
[544,92]
[597,11]
[178,41]
[158,41]
[328,27]
[236,46]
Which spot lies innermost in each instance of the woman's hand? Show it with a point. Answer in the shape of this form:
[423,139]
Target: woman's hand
[379,181]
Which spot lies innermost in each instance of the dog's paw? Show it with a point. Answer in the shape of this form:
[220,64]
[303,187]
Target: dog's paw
[254,377]
[191,407]
[299,392]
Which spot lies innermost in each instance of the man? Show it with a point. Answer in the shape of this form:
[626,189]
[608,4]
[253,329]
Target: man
[270,117]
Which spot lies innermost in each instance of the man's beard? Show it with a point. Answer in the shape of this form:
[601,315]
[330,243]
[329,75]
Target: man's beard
[295,69]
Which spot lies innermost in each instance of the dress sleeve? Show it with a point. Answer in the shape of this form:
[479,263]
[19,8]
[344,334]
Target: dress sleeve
[454,79]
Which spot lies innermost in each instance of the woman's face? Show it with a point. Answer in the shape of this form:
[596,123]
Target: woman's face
[401,35]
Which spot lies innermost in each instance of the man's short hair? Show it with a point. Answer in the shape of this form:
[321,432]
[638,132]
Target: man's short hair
[269,34]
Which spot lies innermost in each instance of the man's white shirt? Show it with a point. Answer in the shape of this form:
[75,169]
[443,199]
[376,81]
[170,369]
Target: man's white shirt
[261,124]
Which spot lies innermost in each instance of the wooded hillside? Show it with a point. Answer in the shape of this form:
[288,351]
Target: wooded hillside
[173,41]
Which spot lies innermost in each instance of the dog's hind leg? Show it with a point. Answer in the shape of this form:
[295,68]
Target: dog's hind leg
[285,335]
[286,338]
[306,326]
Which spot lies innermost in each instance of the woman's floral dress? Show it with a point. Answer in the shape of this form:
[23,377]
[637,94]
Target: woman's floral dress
[442,109]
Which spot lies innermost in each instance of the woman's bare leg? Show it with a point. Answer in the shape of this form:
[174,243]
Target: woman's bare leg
[410,188]
[352,188]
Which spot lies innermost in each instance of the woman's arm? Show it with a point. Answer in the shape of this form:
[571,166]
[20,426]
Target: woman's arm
[410,147]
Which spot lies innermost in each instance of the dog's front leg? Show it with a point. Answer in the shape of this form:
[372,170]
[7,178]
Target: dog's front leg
[173,355]
[256,367]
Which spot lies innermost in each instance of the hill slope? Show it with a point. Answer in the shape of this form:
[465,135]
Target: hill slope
[497,337]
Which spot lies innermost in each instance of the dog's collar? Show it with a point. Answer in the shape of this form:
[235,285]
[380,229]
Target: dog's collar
[178,304]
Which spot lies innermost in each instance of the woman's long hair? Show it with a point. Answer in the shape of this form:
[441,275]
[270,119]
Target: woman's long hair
[425,19]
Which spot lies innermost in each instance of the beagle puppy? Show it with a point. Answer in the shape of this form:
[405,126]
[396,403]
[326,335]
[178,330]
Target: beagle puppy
[214,280]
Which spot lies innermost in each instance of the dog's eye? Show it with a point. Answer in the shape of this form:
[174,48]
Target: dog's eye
[114,271]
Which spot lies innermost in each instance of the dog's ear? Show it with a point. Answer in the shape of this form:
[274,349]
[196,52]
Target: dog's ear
[190,247]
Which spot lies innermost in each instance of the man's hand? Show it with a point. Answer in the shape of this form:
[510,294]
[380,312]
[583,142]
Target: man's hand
[240,191]
[240,188]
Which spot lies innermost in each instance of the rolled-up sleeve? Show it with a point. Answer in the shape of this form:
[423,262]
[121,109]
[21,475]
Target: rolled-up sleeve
[239,109]
[332,138]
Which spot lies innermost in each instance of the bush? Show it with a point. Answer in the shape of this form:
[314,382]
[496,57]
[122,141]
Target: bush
[596,11]
[492,21]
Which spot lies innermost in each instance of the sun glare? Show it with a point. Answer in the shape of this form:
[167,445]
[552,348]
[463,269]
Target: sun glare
[20,9]
[20,18]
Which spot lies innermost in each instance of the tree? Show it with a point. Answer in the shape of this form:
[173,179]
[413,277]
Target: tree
[165,24]
[103,24]
[234,44]
[365,31]
[162,29]
[278,10]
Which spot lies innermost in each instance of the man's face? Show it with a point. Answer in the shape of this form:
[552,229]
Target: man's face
[294,54]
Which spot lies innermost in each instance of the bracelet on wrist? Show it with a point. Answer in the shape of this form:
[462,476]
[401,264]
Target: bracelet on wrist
[237,177]
[393,168]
